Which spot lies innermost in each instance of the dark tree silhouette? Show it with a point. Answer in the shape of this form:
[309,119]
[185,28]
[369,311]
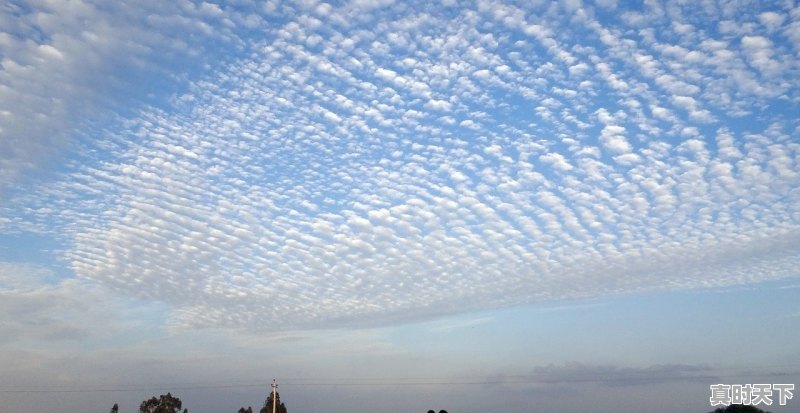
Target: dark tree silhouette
[114,408]
[281,408]
[165,403]
[738,408]
[247,410]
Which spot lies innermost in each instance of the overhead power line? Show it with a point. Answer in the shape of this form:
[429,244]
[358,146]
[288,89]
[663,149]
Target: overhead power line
[619,376]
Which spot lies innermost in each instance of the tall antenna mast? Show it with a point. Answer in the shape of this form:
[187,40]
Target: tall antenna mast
[274,394]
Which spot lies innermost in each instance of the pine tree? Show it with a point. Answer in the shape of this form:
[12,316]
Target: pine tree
[281,408]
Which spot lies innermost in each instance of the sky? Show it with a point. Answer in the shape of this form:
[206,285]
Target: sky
[398,205]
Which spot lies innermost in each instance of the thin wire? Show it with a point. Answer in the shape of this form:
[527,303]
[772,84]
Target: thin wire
[373,382]
[488,381]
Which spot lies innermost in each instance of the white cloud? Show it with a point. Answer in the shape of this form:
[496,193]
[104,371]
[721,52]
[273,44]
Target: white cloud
[557,161]
[57,70]
[612,137]
[438,104]
[348,168]
[759,51]
[370,4]
[38,307]
[607,4]
[771,20]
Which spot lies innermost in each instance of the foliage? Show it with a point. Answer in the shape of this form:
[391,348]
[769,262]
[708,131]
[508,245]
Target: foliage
[738,408]
[166,403]
[281,408]
[247,410]
[114,408]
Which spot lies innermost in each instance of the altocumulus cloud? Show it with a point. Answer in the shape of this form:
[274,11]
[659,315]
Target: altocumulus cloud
[365,165]
[64,64]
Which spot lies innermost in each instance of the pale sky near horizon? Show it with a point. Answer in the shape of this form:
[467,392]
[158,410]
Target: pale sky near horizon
[398,205]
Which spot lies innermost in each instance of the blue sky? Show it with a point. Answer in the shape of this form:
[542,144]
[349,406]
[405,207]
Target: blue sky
[484,204]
